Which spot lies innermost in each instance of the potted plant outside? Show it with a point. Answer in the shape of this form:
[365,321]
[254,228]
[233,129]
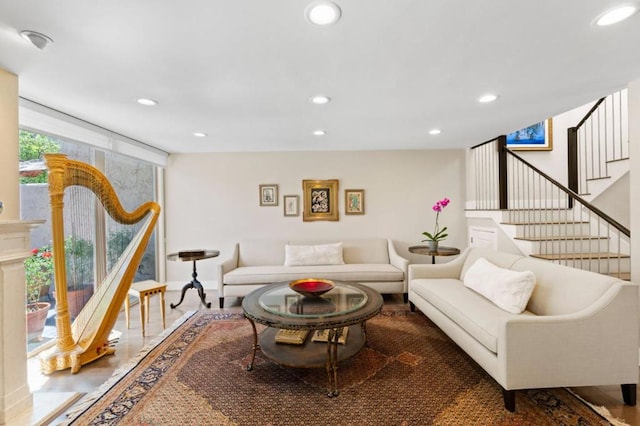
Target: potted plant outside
[38,276]
[80,273]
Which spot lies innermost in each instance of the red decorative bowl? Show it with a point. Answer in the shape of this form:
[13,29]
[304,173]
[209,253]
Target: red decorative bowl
[311,287]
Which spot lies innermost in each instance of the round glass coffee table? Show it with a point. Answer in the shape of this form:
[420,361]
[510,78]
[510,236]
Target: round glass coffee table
[338,318]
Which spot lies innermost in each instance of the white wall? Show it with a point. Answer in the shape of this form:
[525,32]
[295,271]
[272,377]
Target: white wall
[634,176]
[615,201]
[212,199]
[9,180]
[554,162]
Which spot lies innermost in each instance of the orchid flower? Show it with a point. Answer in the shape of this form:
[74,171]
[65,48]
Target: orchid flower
[438,234]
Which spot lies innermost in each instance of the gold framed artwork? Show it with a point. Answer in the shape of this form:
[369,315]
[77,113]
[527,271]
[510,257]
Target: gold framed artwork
[291,205]
[354,201]
[537,137]
[268,195]
[320,200]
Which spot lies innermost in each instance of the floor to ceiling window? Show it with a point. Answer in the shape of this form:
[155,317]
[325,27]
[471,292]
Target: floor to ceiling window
[93,241]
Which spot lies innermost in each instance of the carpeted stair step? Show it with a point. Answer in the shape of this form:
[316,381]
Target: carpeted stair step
[580,256]
[601,262]
[545,223]
[625,276]
[550,228]
[561,238]
[542,243]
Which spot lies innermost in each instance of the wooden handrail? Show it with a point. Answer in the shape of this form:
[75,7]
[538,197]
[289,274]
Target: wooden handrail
[484,143]
[591,111]
[574,195]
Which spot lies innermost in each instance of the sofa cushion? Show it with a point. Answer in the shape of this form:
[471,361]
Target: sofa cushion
[498,258]
[322,254]
[509,290]
[578,289]
[366,250]
[469,310]
[357,250]
[261,252]
[348,272]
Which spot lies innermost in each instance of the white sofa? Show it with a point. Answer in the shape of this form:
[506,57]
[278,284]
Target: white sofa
[579,328]
[373,262]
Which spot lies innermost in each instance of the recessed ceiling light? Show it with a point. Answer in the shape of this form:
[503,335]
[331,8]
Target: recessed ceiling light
[199,134]
[614,16]
[322,13]
[435,131]
[320,100]
[319,132]
[489,97]
[39,40]
[147,102]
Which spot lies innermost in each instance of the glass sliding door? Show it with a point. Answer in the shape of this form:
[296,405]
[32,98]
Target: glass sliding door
[79,223]
[134,182]
[93,241]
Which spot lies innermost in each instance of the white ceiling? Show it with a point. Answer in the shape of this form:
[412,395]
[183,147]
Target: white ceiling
[243,70]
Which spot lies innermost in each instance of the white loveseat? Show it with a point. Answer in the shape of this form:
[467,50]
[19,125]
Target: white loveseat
[373,262]
[579,328]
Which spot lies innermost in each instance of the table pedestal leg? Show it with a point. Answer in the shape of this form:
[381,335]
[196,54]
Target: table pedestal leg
[332,362]
[255,345]
[193,284]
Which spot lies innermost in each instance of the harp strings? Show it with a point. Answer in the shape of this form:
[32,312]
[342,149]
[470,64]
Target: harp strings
[80,219]
[82,245]
[96,307]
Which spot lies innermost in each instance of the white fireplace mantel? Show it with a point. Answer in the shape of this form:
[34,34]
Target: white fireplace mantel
[14,249]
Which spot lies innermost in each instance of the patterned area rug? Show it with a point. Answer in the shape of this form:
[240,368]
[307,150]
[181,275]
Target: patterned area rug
[409,373]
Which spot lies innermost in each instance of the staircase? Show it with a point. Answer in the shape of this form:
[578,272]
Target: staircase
[558,237]
[599,145]
[547,220]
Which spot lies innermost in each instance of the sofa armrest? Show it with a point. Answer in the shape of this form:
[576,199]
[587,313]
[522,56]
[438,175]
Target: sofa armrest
[441,270]
[398,261]
[225,266]
[595,346]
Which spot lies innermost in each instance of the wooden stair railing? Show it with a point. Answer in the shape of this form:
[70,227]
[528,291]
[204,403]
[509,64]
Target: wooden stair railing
[563,227]
[600,138]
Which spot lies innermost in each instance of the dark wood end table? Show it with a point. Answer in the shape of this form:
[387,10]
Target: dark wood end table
[193,257]
[441,251]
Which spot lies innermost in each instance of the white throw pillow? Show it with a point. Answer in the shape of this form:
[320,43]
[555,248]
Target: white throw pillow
[508,290]
[323,254]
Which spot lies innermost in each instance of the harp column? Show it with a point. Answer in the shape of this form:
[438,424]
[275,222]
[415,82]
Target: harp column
[15,395]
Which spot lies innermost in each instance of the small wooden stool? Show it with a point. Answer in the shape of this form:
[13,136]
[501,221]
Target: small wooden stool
[143,290]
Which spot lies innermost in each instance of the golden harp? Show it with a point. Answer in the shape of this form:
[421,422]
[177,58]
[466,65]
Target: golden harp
[87,339]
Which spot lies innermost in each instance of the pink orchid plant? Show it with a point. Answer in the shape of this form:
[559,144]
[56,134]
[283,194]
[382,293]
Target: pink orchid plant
[438,234]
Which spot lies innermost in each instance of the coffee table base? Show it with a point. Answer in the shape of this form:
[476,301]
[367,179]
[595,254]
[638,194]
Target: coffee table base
[311,354]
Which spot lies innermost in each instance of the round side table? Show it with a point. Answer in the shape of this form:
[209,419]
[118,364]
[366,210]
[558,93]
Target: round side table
[193,256]
[441,251]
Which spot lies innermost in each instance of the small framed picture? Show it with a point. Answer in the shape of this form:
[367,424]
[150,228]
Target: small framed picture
[269,195]
[320,200]
[354,201]
[291,205]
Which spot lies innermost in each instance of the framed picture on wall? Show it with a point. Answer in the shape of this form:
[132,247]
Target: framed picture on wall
[291,205]
[537,137]
[320,200]
[354,201]
[269,195]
